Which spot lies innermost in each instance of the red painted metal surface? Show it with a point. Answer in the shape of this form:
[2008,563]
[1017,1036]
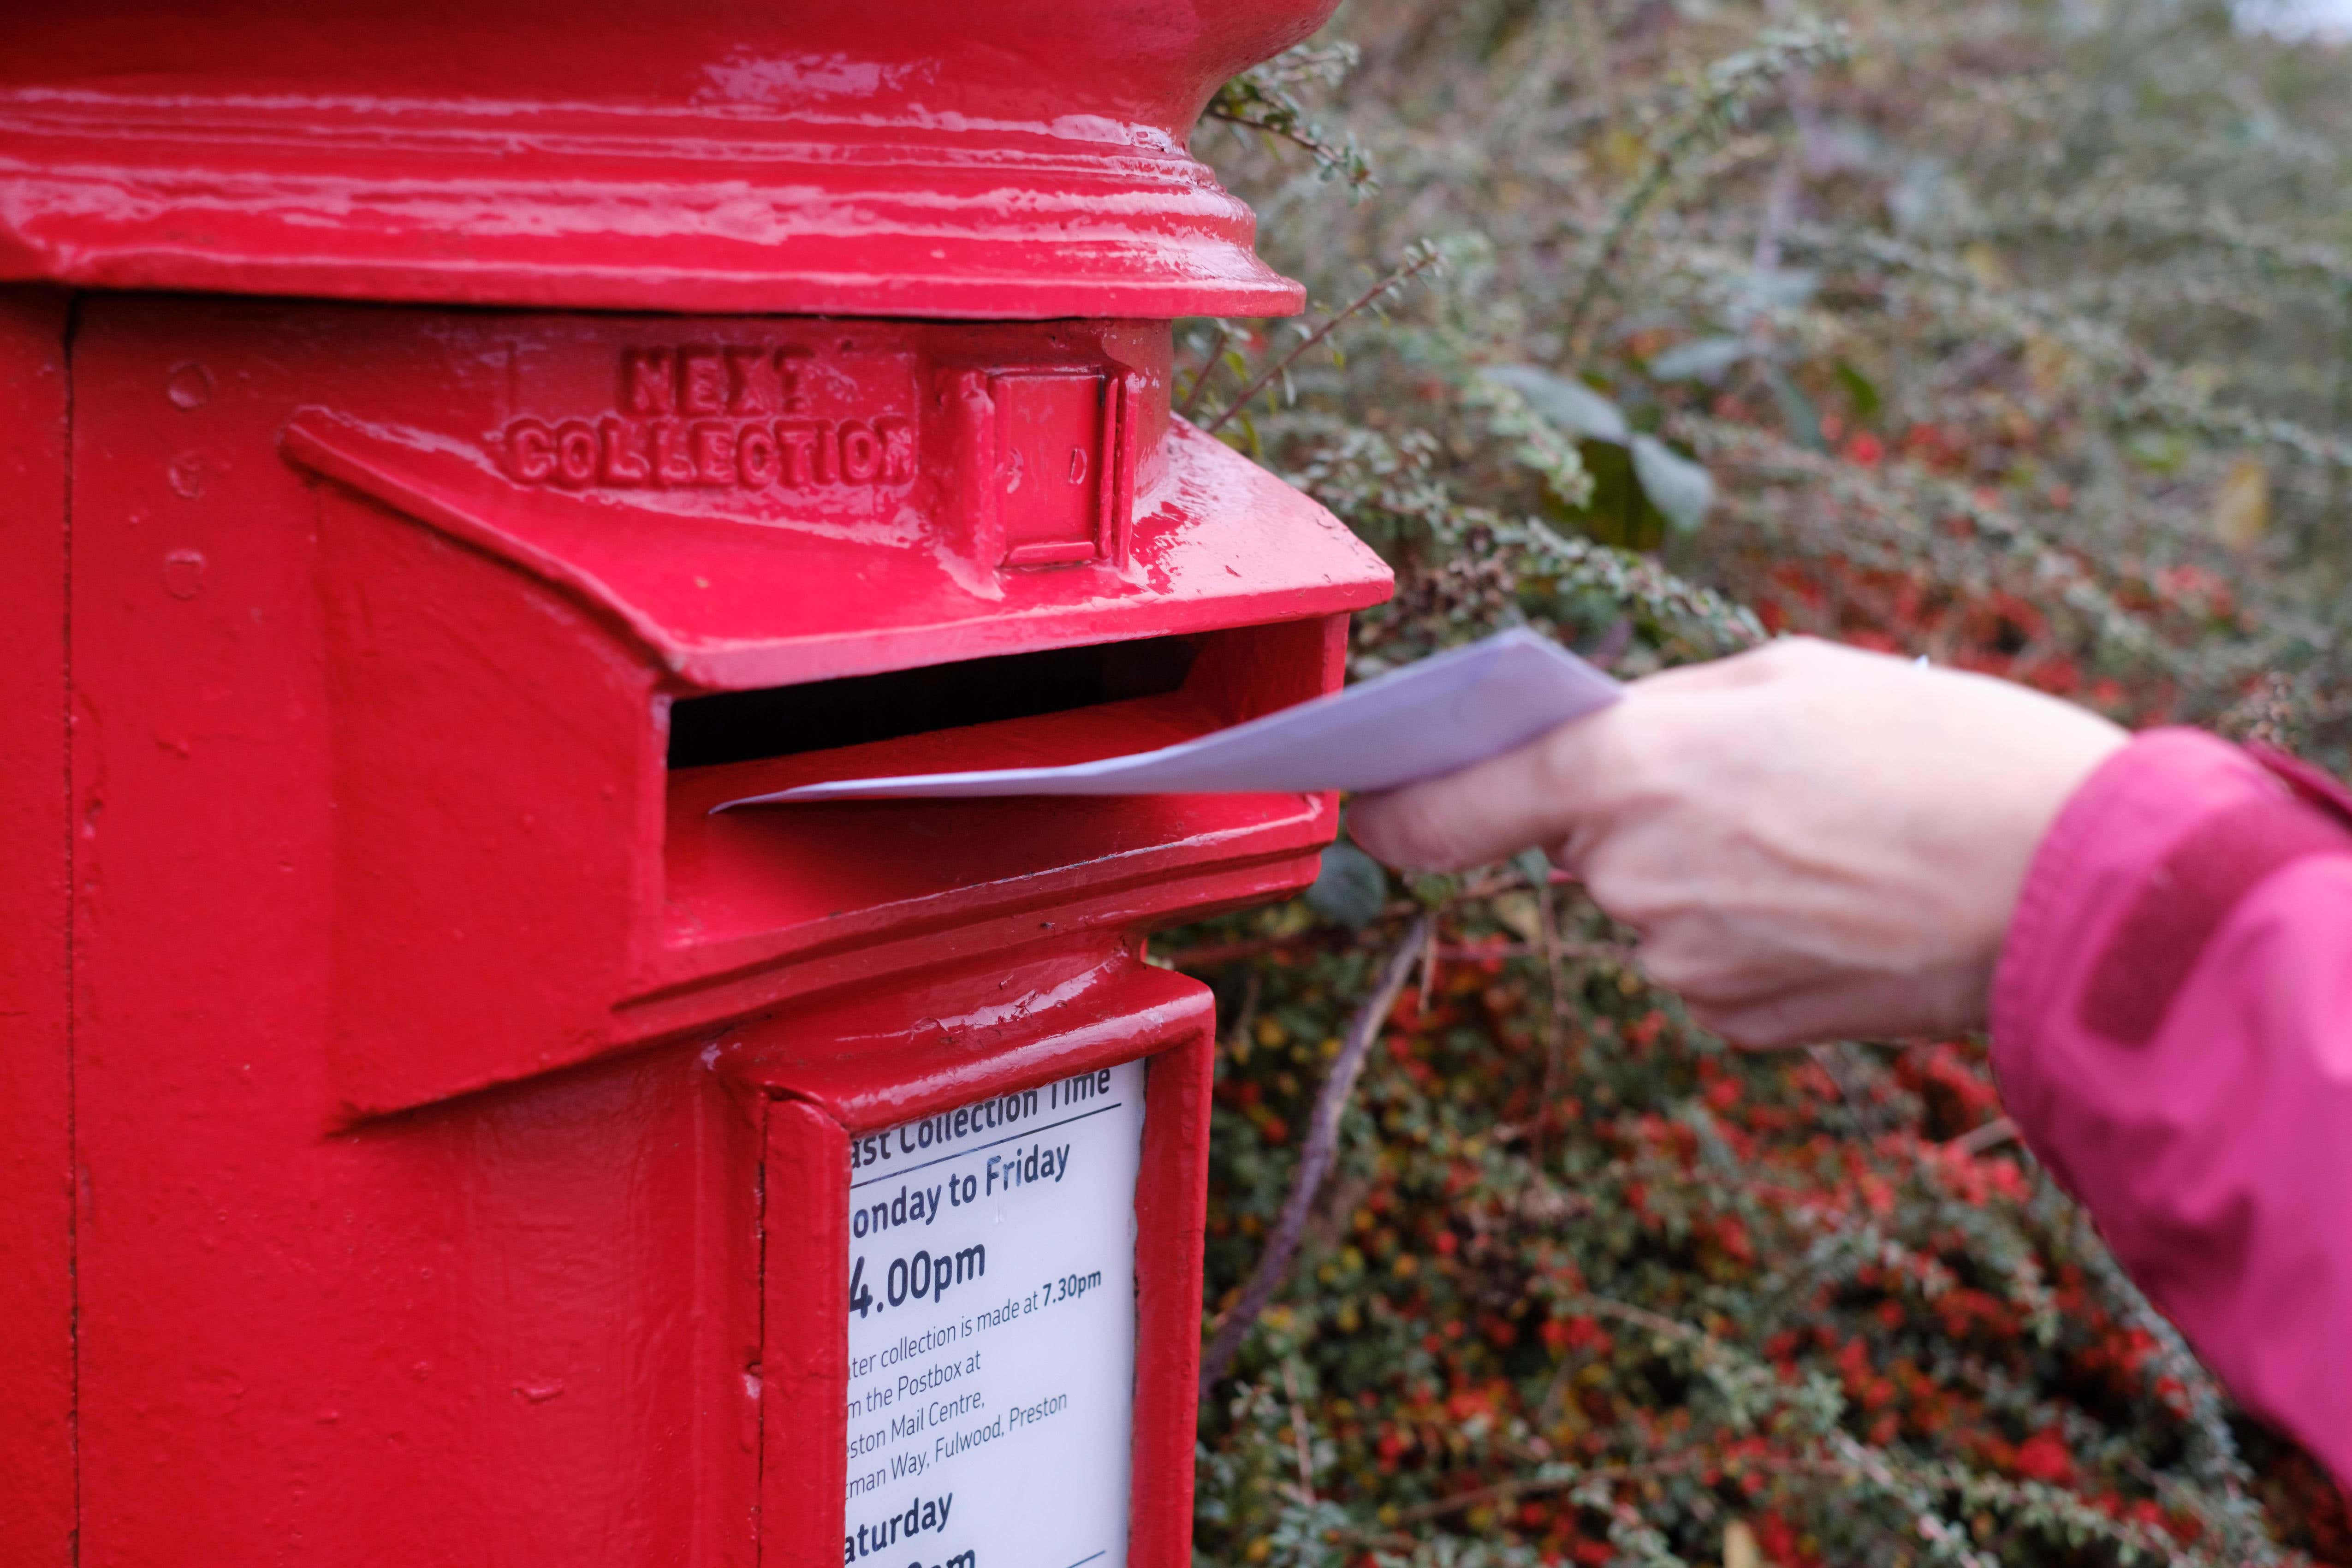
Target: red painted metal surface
[35,1085]
[420,1122]
[378,814]
[970,158]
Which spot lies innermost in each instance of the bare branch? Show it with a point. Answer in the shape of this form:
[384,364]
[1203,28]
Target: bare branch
[1315,1159]
[1991,1135]
[1208,367]
[1421,260]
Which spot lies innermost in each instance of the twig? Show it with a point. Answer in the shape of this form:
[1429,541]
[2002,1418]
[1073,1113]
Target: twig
[1621,227]
[1729,84]
[1555,1399]
[1217,954]
[2341,412]
[1208,365]
[1833,1067]
[1253,992]
[1781,200]
[1640,1317]
[1428,969]
[1554,1021]
[1508,1491]
[1615,952]
[1210,955]
[1299,1434]
[1418,264]
[1315,1159]
[1293,137]
[1853,1077]
[1991,1135]
[1577,1475]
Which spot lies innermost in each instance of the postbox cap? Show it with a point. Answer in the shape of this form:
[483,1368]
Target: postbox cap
[1009,159]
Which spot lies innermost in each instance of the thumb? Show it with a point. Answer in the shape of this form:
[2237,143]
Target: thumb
[1533,796]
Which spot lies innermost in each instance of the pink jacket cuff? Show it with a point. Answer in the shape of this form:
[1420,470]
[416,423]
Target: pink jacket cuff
[2172,1031]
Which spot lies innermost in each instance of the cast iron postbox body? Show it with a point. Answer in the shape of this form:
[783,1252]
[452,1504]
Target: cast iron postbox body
[443,462]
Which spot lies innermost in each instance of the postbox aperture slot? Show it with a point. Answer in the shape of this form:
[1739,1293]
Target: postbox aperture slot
[823,715]
[782,884]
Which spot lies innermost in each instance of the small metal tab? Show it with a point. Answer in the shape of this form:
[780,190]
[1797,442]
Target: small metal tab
[1052,431]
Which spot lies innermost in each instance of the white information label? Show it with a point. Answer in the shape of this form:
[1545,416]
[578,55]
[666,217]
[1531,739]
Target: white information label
[992,1330]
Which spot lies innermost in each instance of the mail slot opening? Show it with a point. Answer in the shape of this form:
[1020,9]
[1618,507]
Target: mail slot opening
[802,878]
[823,715]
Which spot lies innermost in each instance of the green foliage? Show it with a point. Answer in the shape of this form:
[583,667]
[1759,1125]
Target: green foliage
[2015,334]
[1351,886]
[1262,99]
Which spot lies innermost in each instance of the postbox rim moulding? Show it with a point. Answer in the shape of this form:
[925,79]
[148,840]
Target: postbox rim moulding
[973,161]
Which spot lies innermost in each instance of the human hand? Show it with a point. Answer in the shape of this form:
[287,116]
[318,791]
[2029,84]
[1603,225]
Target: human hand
[1813,842]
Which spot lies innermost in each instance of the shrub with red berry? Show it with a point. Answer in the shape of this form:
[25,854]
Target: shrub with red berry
[2020,337]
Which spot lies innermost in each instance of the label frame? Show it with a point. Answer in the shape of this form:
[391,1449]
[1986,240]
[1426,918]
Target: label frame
[805,1286]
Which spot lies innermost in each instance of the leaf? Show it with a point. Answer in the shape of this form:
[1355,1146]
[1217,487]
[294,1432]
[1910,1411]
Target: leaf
[1350,888]
[1925,198]
[1701,359]
[1533,865]
[1570,404]
[2158,451]
[1861,391]
[1542,447]
[1797,410]
[1434,889]
[1984,264]
[1784,286]
[1617,514]
[1622,152]
[2050,364]
[1678,486]
[2241,505]
[1521,915]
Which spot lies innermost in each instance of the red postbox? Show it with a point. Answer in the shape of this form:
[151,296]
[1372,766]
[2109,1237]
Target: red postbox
[446,453]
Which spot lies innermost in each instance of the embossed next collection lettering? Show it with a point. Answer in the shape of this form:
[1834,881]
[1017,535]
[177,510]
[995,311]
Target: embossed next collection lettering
[712,417]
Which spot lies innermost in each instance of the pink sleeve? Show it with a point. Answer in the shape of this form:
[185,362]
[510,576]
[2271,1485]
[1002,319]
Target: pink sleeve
[2172,1029]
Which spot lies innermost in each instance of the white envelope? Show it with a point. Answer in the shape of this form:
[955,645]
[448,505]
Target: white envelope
[1426,720]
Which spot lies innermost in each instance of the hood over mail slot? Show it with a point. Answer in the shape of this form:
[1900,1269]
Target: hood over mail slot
[543,533]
